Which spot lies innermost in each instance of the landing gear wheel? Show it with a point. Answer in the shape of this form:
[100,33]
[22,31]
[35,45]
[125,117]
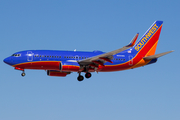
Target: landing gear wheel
[80,78]
[23,74]
[88,75]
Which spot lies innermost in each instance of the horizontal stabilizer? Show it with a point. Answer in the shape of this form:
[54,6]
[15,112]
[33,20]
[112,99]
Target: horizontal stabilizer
[157,55]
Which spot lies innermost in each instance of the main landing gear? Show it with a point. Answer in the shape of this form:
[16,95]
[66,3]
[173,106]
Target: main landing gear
[81,78]
[88,75]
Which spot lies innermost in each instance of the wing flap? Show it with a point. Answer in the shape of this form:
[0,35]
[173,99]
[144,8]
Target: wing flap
[104,56]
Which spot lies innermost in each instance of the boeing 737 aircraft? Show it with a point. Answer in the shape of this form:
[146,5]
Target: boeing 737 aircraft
[62,63]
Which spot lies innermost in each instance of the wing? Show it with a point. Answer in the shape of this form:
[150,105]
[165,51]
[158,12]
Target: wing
[106,57]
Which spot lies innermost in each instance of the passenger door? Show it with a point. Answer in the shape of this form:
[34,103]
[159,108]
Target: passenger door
[30,56]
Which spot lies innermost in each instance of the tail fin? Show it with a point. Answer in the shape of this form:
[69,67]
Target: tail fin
[146,46]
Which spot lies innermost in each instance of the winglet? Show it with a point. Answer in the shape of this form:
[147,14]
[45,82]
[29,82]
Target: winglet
[157,55]
[133,41]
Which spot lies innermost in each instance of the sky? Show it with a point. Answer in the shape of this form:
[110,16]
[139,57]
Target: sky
[147,93]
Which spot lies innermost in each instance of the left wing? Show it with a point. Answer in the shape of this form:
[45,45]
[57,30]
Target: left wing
[106,57]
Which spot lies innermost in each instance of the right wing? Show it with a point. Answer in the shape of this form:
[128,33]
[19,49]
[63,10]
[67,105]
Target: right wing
[106,57]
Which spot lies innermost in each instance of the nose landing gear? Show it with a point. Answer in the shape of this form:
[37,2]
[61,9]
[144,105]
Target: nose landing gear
[23,74]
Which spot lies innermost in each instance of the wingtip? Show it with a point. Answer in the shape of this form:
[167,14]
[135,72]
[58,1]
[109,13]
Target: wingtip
[171,51]
[133,41]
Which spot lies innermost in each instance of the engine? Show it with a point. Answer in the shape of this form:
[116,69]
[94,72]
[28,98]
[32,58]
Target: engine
[62,68]
[152,61]
[69,66]
[57,73]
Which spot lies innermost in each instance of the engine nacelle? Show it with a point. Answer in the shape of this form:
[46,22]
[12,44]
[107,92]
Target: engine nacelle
[69,66]
[57,73]
[152,61]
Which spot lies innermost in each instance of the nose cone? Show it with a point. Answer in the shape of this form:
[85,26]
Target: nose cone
[8,61]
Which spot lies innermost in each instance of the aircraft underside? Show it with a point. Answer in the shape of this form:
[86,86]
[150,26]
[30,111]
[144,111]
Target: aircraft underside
[55,68]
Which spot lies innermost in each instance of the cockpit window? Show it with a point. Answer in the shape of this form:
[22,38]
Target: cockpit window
[16,55]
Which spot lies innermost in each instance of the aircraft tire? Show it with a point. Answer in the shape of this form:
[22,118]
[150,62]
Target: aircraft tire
[88,75]
[80,78]
[23,74]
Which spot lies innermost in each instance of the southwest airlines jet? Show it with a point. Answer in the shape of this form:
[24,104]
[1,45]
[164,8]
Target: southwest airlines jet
[62,63]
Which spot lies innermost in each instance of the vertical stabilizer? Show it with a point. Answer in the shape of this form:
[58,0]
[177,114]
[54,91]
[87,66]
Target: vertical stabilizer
[146,46]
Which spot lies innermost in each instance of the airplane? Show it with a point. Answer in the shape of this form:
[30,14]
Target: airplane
[62,63]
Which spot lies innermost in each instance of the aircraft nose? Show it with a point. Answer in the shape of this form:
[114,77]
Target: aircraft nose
[8,61]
